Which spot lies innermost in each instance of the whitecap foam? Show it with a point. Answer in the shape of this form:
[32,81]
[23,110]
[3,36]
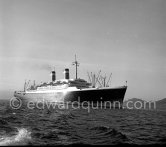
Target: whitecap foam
[21,138]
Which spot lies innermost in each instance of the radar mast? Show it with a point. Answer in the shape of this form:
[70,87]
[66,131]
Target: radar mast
[76,65]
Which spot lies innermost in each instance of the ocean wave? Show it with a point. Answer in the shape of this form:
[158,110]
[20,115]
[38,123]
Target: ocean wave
[107,135]
[3,122]
[22,137]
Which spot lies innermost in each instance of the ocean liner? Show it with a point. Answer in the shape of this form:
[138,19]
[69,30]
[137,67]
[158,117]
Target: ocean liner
[71,90]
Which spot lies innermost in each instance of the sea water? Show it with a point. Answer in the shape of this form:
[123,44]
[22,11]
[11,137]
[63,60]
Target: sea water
[70,126]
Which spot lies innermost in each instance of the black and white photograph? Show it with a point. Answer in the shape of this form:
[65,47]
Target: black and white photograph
[82,72]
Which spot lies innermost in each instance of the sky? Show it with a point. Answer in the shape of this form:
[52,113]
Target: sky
[124,37]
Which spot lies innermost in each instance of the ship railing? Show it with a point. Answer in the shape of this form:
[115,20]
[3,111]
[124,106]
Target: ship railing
[53,87]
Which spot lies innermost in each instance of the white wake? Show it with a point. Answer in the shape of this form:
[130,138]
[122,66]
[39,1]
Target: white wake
[21,138]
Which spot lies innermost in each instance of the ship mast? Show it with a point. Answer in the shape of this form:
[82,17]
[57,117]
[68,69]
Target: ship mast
[76,64]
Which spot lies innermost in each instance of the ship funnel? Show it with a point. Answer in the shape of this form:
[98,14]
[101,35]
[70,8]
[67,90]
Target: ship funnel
[53,76]
[66,73]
